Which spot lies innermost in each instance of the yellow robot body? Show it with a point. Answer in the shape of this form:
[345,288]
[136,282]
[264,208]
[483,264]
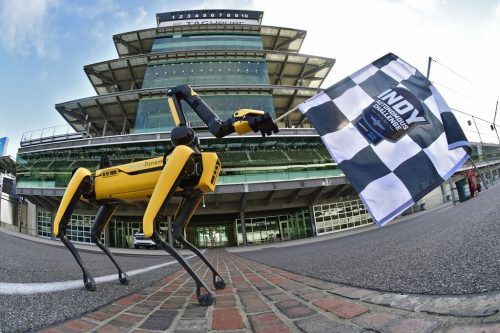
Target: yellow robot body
[136,181]
[128,182]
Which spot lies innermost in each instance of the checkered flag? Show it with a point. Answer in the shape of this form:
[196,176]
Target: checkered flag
[390,132]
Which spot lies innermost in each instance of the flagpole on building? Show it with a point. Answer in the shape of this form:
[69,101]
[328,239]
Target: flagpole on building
[493,126]
[286,114]
[450,183]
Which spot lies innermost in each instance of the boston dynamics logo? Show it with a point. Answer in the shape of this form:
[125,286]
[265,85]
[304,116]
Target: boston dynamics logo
[393,114]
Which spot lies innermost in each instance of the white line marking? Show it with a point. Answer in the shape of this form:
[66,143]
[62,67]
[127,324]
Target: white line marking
[50,287]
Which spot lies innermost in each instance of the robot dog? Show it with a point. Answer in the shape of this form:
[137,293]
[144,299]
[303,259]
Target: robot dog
[184,171]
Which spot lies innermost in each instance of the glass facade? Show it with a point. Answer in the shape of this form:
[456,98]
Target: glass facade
[337,216]
[210,236]
[78,230]
[179,42]
[153,114]
[274,228]
[121,233]
[206,71]
[44,223]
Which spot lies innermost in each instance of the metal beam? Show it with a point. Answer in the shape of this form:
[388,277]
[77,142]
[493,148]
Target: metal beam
[282,69]
[243,201]
[86,206]
[301,120]
[217,201]
[301,74]
[55,201]
[124,112]
[132,75]
[269,198]
[336,191]
[300,34]
[35,200]
[139,40]
[87,124]
[112,72]
[275,45]
[46,203]
[294,195]
[103,113]
[289,106]
[104,78]
[70,113]
[129,46]
[314,70]
[315,195]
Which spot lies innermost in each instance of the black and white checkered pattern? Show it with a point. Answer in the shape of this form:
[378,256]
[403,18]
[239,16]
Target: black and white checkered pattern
[388,176]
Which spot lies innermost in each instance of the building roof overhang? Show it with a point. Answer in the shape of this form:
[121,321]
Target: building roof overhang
[228,198]
[114,114]
[8,164]
[273,38]
[284,68]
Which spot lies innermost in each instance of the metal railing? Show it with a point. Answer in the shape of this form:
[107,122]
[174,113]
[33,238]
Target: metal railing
[51,134]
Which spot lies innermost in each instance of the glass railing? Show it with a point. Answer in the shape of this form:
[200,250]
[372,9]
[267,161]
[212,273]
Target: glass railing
[278,176]
[61,179]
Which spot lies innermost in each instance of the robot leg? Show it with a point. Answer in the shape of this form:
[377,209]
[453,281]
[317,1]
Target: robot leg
[178,166]
[182,218]
[80,183]
[103,215]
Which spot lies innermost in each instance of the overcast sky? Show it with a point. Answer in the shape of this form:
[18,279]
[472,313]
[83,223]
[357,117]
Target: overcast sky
[44,45]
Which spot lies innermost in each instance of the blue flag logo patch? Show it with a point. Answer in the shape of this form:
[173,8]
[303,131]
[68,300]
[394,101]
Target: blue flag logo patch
[394,113]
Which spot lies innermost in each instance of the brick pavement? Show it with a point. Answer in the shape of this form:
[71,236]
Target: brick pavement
[260,298]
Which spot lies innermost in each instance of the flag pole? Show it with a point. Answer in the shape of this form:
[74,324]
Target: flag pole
[285,114]
[480,175]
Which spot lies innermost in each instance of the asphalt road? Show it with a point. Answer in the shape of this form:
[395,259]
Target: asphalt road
[22,261]
[455,250]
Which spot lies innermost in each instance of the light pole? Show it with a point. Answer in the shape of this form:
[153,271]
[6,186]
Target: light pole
[493,126]
[449,179]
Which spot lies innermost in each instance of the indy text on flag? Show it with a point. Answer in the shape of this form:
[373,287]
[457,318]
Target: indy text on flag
[390,132]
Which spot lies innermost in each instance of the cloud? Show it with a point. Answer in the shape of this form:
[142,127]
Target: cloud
[141,15]
[421,5]
[24,26]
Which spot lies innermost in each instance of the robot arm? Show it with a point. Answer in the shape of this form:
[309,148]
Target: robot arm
[243,121]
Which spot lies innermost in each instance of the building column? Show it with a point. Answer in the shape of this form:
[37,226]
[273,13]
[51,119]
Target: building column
[313,221]
[243,227]
[169,223]
[235,231]
[443,192]
[52,218]
[106,233]
[451,191]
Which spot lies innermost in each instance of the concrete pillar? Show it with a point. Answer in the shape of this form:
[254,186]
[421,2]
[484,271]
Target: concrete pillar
[243,227]
[106,233]
[170,238]
[52,218]
[104,127]
[443,192]
[313,221]
[235,231]
[452,192]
